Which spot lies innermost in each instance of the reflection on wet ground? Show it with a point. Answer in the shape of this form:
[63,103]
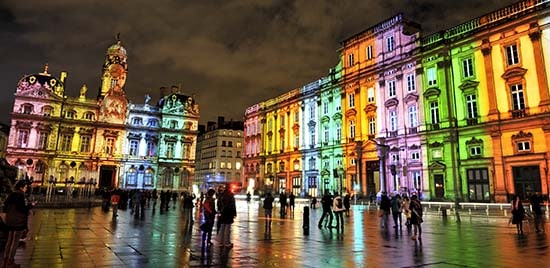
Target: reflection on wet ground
[90,238]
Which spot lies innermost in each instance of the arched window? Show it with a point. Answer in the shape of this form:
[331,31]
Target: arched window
[148,177]
[131,177]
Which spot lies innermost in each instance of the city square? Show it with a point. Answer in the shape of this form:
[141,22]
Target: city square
[89,238]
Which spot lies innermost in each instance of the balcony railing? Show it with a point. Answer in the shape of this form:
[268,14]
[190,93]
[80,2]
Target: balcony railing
[413,130]
[471,121]
[392,134]
[519,113]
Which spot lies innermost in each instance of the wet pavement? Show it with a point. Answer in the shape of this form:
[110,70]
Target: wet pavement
[89,238]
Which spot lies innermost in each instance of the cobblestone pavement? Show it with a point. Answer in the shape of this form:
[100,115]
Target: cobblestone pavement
[89,238]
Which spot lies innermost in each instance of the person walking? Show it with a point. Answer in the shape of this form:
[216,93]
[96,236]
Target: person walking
[396,208]
[406,204]
[115,199]
[536,200]
[385,207]
[268,210]
[209,212]
[338,208]
[416,217]
[326,203]
[282,200]
[347,204]
[228,212]
[518,213]
[17,212]
[291,202]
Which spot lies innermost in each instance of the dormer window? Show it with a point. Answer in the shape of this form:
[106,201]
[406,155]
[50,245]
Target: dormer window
[47,110]
[89,116]
[70,114]
[138,121]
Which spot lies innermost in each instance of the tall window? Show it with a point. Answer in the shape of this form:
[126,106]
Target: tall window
[296,117]
[312,137]
[434,112]
[351,59]
[352,129]
[416,179]
[66,142]
[467,67]
[393,120]
[296,141]
[338,132]
[372,125]
[478,184]
[351,100]
[518,100]
[411,85]
[311,163]
[170,146]
[369,52]
[85,143]
[26,108]
[131,176]
[389,43]
[413,119]
[512,55]
[89,116]
[311,112]
[432,76]
[134,147]
[43,140]
[326,134]
[110,146]
[471,106]
[370,95]
[325,107]
[282,121]
[391,89]
[23,138]
[150,148]
[148,177]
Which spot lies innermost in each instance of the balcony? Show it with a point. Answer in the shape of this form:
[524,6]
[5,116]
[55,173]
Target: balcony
[392,134]
[518,113]
[471,121]
[413,130]
[435,126]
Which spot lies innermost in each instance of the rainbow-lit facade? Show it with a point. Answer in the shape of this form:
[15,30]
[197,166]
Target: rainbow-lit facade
[461,114]
[104,140]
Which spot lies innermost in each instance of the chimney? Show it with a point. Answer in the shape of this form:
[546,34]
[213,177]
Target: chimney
[221,121]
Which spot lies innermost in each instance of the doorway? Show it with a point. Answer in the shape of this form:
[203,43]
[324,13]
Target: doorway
[106,176]
[439,184]
[526,180]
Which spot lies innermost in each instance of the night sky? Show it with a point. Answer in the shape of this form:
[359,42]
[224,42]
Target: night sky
[229,54]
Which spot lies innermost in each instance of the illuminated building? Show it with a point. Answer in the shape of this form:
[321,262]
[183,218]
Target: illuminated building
[461,114]
[219,155]
[105,140]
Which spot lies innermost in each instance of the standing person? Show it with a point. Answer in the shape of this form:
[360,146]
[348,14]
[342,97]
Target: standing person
[268,208]
[209,212]
[416,217]
[406,204]
[396,208]
[115,198]
[228,212]
[326,203]
[347,203]
[291,200]
[518,213]
[188,205]
[338,208]
[155,196]
[17,215]
[385,207]
[282,200]
[536,200]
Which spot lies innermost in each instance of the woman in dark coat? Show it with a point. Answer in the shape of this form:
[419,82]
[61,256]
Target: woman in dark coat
[17,214]
[518,213]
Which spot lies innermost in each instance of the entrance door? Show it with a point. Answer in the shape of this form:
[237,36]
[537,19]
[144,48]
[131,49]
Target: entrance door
[526,180]
[373,175]
[439,184]
[106,176]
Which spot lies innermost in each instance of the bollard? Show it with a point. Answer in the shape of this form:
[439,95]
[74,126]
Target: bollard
[305,225]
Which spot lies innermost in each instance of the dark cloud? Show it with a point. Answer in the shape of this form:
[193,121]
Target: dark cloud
[230,54]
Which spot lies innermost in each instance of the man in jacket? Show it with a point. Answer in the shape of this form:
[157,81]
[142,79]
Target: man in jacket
[326,204]
[338,208]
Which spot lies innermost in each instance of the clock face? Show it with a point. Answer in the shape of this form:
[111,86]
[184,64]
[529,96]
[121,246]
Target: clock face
[116,70]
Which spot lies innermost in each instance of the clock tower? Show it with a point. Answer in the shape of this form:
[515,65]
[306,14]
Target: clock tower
[111,96]
[115,69]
